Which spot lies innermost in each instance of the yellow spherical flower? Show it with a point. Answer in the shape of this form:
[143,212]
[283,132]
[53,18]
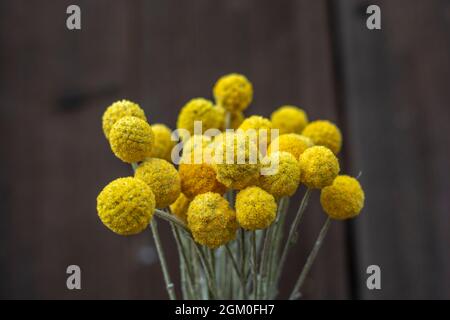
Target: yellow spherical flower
[199,109]
[324,133]
[318,167]
[126,206]
[233,92]
[131,139]
[117,111]
[289,119]
[199,178]
[180,207]
[236,161]
[162,148]
[162,177]
[255,208]
[283,177]
[211,220]
[193,149]
[293,143]
[343,199]
[262,127]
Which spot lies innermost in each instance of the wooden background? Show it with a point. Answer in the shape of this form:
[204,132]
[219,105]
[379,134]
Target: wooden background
[388,90]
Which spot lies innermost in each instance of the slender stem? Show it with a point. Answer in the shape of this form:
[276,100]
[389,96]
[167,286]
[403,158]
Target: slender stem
[254,265]
[208,273]
[184,259]
[169,284]
[242,252]
[236,269]
[292,232]
[171,218]
[309,262]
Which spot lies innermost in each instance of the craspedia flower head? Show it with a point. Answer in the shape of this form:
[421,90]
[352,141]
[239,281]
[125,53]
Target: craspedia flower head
[211,220]
[285,176]
[255,208]
[236,160]
[131,139]
[180,207]
[344,199]
[199,178]
[293,143]
[117,111]
[324,133]
[234,92]
[126,206]
[163,145]
[162,178]
[289,119]
[262,126]
[318,167]
[199,109]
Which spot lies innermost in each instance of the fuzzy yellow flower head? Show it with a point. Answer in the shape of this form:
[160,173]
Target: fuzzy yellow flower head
[211,220]
[236,161]
[117,111]
[233,92]
[263,128]
[199,178]
[162,177]
[344,199]
[255,208]
[318,167]
[163,145]
[293,143]
[194,149]
[199,109]
[131,139]
[289,119]
[285,178]
[324,133]
[126,206]
[180,207]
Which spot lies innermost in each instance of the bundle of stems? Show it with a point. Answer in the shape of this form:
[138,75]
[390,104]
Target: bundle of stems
[250,267]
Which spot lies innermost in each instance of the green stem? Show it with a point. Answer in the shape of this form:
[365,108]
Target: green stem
[292,232]
[254,265]
[236,269]
[208,272]
[309,262]
[169,284]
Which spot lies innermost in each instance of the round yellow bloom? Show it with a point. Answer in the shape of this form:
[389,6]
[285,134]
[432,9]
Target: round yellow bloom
[126,206]
[180,207]
[131,139]
[211,220]
[285,178]
[263,128]
[199,109]
[293,143]
[199,178]
[236,161]
[318,167]
[255,208]
[117,111]
[194,149]
[324,133]
[289,119]
[162,148]
[233,92]
[162,177]
[343,199]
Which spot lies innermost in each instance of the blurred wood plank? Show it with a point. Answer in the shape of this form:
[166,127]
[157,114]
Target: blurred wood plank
[395,97]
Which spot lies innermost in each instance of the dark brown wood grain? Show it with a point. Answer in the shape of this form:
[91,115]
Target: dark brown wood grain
[395,105]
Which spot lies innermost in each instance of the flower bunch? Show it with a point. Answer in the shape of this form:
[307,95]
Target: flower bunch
[225,189]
